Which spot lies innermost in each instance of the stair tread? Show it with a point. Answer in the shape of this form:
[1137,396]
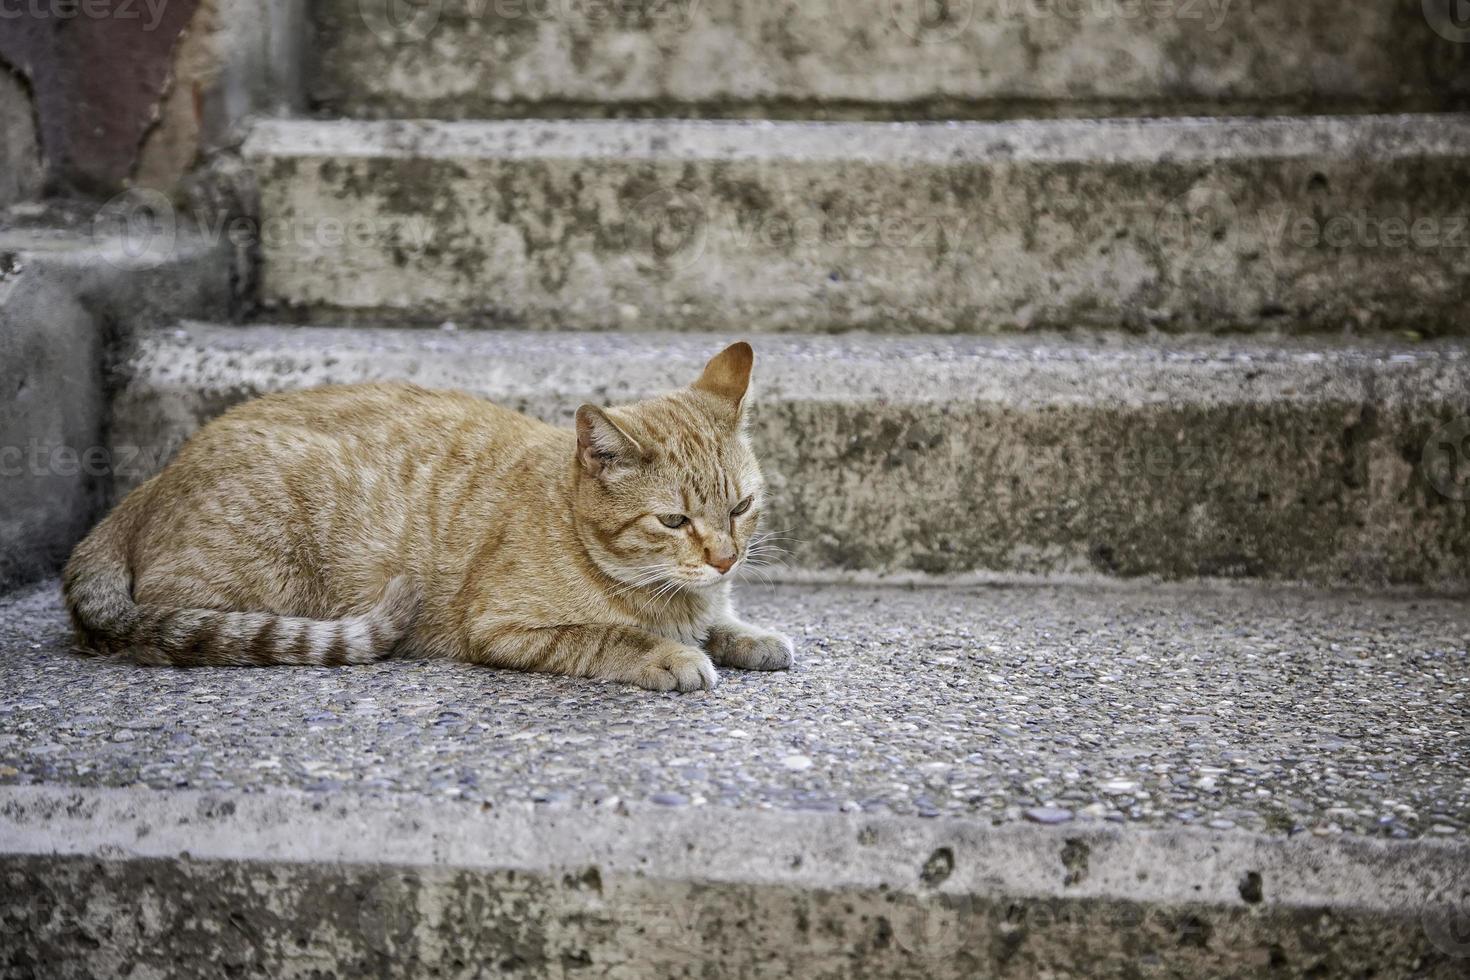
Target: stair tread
[1162,706]
[1015,368]
[1202,138]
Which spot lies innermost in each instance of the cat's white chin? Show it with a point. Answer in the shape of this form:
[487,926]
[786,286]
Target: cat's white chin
[698,578]
[709,577]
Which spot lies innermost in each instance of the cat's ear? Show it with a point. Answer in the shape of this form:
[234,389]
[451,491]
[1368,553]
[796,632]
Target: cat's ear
[603,448]
[727,375]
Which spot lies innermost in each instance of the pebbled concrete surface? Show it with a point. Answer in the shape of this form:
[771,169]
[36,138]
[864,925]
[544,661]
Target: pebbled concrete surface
[1284,712]
[881,58]
[1211,225]
[949,455]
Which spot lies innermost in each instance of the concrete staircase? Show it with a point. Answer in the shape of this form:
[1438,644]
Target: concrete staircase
[1098,431]
[1219,334]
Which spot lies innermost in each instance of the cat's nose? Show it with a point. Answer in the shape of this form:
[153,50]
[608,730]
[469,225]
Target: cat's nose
[721,562]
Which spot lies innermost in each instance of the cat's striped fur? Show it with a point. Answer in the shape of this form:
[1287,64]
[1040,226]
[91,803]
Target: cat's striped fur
[337,525]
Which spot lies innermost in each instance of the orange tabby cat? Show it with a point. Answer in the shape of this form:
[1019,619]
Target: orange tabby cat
[334,525]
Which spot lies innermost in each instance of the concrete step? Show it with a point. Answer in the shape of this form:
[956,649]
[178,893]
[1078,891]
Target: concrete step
[1186,224]
[1023,781]
[884,58]
[72,278]
[961,455]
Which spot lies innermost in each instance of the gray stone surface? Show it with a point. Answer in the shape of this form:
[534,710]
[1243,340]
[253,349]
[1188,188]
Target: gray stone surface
[1091,782]
[880,58]
[1215,225]
[68,288]
[1284,712]
[954,455]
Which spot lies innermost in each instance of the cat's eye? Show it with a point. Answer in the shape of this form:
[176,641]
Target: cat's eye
[742,507]
[673,520]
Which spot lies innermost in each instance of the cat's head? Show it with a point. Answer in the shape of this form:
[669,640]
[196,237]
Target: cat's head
[672,492]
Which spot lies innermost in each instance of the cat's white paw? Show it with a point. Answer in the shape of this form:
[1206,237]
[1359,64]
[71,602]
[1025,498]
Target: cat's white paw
[750,648]
[675,667]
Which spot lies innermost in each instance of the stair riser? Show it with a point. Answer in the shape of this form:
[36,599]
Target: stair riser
[291,919]
[882,58]
[360,880]
[1309,471]
[1193,230]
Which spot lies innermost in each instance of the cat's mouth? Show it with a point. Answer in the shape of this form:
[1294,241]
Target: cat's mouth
[705,575]
[678,576]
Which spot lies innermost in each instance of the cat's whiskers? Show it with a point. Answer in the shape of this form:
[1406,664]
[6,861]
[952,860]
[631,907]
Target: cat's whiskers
[669,589]
[642,576]
[757,569]
[630,588]
[768,555]
[668,600]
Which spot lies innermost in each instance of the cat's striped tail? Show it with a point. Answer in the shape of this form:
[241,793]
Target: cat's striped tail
[99,595]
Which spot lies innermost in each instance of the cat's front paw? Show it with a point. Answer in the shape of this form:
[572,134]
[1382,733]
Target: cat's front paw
[675,667]
[750,648]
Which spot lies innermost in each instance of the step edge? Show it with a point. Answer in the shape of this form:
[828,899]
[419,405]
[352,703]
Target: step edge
[1123,140]
[1184,866]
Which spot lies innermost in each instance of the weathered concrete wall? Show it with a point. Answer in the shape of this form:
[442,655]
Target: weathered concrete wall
[280,885]
[881,58]
[64,296]
[20,150]
[1212,225]
[957,455]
